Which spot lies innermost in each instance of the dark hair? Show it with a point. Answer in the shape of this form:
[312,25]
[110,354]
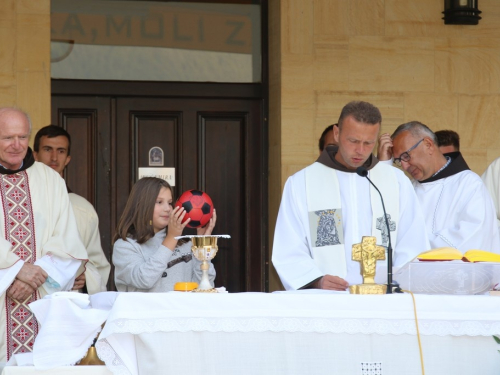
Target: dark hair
[50,131]
[321,144]
[362,112]
[135,221]
[448,138]
[416,129]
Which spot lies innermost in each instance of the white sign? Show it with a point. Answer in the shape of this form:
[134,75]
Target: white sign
[167,174]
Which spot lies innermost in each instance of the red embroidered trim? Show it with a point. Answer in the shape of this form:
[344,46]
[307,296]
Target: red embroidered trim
[22,326]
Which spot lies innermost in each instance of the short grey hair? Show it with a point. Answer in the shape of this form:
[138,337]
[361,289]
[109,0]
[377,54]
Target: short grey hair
[416,129]
[19,110]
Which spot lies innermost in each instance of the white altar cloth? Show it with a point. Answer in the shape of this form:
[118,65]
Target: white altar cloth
[65,370]
[299,332]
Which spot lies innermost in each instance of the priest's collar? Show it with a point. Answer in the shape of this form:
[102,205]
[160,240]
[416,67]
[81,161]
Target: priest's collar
[327,158]
[456,165]
[28,161]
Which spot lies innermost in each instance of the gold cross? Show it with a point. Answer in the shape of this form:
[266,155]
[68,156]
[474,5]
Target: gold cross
[367,253]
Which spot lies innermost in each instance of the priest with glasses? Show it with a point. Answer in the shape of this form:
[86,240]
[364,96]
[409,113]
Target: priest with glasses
[458,209]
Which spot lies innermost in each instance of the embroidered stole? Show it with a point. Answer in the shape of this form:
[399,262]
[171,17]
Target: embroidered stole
[22,326]
[325,214]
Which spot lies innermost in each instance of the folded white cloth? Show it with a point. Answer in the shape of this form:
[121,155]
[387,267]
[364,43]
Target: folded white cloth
[21,359]
[69,326]
[104,300]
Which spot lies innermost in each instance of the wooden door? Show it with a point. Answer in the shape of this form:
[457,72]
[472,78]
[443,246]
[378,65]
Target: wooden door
[215,145]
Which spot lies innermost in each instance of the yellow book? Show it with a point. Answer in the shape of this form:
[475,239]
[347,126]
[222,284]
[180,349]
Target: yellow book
[481,256]
[450,253]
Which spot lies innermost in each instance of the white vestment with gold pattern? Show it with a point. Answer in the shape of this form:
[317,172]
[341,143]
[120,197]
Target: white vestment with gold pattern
[38,226]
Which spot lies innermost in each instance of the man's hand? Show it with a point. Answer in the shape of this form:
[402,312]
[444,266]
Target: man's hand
[79,282]
[332,283]
[384,150]
[19,290]
[32,275]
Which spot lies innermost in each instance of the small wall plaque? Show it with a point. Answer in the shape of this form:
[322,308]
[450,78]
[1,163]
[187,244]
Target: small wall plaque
[156,157]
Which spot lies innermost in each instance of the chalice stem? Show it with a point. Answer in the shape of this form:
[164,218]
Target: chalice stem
[205,282]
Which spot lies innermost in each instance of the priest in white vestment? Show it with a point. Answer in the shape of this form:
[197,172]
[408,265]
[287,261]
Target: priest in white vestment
[40,251]
[491,178]
[327,207]
[458,209]
[52,146]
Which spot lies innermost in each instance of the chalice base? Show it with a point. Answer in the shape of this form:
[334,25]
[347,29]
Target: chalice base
[198,290]
[368,289]
[204,282]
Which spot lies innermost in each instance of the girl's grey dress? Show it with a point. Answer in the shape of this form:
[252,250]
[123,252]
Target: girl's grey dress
[152,267]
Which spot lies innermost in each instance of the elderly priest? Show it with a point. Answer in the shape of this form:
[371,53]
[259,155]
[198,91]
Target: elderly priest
[40,251]
[458,209]
[327,208]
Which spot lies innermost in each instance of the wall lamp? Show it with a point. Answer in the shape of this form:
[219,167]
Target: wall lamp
[461,12]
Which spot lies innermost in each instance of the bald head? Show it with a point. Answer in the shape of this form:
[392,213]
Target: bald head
[15,127]
[14,110]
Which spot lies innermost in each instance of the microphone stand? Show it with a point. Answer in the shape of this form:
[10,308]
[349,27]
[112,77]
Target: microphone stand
[363,172]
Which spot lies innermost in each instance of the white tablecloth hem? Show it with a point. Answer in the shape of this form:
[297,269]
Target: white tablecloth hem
[314,325]
[111,358]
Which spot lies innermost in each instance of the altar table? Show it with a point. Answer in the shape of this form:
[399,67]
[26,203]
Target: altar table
[304,332]
[67,370]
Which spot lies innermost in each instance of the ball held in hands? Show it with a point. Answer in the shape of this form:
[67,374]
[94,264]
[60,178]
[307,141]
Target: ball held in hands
[198,206]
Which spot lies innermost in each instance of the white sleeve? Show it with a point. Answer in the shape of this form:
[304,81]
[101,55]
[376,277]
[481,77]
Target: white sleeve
[472,223]
[7,275]
[412,235]
[491,178]
[291,252]
[98,268]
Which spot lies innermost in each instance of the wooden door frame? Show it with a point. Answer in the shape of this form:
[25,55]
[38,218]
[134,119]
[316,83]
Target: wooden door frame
[257,274]
[256,91]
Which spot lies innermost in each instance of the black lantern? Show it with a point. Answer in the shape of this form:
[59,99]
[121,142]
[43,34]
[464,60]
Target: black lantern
[461,12]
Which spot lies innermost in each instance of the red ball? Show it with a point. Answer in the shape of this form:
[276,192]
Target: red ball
[198,206]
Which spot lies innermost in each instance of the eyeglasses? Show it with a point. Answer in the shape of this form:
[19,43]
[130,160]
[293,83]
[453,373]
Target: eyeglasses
[405,156]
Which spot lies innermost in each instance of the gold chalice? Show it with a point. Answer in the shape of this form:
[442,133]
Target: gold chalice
[204,249]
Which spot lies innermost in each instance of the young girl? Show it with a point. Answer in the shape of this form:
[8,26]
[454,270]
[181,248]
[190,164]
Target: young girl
[146,255]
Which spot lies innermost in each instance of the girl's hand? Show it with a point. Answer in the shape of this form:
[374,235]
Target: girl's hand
[175,227]
[207,229]
[175,224]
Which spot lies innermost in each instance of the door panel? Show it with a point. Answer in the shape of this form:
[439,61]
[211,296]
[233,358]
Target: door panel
[205,141]
[222,175]
[87,120]
[153,129]
[215,145]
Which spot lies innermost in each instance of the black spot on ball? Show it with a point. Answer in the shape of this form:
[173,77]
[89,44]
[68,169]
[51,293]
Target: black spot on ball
[205,208]
[187,206]
[196,192]
[194,223]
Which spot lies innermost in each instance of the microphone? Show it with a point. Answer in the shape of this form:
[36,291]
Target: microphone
[363,172]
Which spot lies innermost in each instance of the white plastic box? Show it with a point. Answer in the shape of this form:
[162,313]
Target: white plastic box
[448,277]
